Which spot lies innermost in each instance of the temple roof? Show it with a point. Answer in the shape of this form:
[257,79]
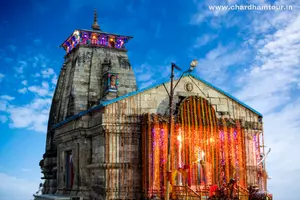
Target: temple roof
[106,103]
[94,37]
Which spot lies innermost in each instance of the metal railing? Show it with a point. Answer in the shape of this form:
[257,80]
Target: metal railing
[185,192]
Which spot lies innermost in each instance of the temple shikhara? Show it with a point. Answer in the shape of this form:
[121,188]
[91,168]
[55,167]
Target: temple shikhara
[107,140]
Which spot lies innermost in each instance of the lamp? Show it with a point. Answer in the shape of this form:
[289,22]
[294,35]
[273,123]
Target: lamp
[193,65]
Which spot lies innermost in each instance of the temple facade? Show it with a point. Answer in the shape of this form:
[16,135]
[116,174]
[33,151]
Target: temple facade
[108,140]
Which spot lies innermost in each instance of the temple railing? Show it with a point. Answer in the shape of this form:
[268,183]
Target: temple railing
[185,192]
[243,193]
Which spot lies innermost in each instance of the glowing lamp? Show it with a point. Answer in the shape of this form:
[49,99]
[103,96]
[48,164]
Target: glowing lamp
[179,138]
[193,65]
[94,37]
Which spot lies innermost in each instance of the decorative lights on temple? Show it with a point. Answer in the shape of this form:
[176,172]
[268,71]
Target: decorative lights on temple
[95,39]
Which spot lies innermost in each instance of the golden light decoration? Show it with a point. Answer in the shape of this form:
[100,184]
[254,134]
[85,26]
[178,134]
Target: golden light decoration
[208,149]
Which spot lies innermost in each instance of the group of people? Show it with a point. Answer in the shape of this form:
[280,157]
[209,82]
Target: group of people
[229,192]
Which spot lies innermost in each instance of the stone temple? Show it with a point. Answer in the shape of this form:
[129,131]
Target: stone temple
[108,140]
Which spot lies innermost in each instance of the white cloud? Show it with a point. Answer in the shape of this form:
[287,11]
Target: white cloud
[54,79]
[204,39]
[217,61]
[47,73]
[36,75]
[14,188]
[22,90]
[204,13]
[21,65]
[24,82]
[146,84]
[279,71]
[41,90]
[33,116]
[45,85]
[199,17]
[146,74]
[7,97]
[31,113]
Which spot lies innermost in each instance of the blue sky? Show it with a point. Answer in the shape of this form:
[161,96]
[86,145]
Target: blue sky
[253,55]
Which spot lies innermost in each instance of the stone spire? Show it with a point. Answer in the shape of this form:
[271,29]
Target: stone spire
[96,26]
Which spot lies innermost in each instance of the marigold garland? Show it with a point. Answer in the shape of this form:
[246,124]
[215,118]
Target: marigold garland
[218,144]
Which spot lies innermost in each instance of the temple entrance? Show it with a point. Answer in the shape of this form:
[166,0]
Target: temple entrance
[205,150]
[69,170]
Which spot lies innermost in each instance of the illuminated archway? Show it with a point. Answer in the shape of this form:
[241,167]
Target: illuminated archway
[205,150]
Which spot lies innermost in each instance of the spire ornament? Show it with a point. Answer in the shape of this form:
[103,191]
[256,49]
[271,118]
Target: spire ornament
[95,25]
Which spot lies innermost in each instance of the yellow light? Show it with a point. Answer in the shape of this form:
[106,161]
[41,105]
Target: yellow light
[179,138]
[211,139]
[94,37]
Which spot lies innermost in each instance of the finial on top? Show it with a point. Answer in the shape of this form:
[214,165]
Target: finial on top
[95,25]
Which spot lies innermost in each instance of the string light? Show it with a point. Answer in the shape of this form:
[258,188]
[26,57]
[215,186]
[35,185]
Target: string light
[80,37]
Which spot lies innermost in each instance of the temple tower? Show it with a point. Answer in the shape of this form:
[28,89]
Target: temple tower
[96,68]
